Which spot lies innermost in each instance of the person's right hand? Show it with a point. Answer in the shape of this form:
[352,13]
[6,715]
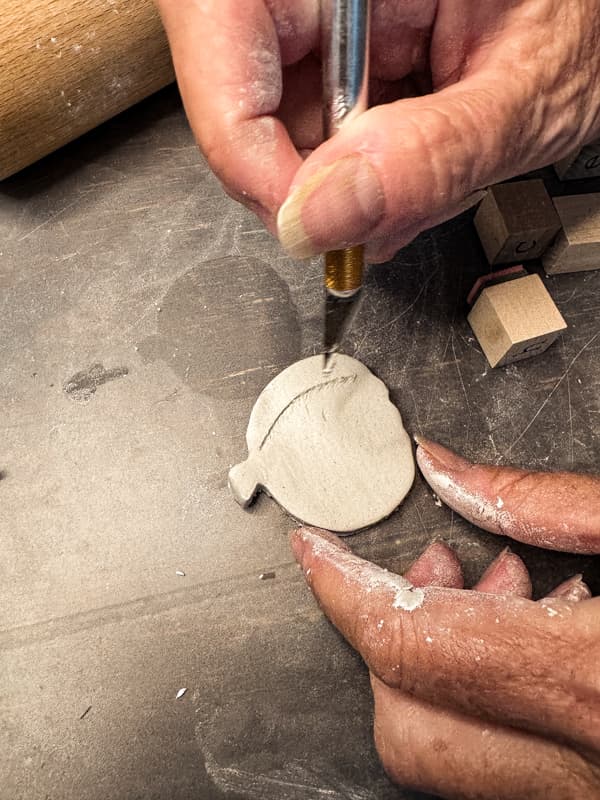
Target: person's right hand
[516,86]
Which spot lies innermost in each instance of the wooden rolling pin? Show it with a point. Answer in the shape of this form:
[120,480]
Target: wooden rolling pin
[68,65]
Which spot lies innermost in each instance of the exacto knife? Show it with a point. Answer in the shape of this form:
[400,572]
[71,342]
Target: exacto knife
[345,53]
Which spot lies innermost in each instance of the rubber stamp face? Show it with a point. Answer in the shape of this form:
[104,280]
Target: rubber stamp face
[330,448]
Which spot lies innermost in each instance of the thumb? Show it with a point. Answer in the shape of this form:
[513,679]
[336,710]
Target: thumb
[400,168]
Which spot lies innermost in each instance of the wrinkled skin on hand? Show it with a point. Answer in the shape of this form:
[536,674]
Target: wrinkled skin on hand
[555,510]
[481,694]
[516,85]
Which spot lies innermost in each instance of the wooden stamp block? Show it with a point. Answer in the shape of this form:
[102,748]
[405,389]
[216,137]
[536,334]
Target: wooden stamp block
[515,320]
[577,247]
[516,221]
[492,278]
[584,163]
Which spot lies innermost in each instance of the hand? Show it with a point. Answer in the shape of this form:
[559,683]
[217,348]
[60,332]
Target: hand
[555,510]
[516,82]
[484,693]
[479,694]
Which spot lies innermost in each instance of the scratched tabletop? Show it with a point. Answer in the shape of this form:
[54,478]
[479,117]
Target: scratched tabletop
[142,311]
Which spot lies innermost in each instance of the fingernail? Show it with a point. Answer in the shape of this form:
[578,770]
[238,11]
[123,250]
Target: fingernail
[297,544]
[574,590]
[506,575]
[438,565]
[431,455]
[305,541]
[338,206]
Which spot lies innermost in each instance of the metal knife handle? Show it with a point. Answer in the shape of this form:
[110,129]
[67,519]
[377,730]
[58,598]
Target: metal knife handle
[345,57]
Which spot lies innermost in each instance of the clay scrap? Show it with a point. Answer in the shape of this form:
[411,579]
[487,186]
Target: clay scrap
[330,448]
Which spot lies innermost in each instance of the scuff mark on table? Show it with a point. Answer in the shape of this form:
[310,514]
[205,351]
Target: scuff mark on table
[83,384]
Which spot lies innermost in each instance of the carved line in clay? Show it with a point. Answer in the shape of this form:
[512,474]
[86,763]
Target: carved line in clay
[343,379]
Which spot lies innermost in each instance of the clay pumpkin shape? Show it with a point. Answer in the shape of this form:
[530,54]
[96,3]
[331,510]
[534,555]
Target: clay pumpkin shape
[330,448]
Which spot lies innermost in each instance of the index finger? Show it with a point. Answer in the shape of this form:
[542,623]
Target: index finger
[466,650]
[227,57]
[556,510]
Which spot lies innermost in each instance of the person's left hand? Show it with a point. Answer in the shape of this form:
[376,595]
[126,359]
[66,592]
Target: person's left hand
[478,694]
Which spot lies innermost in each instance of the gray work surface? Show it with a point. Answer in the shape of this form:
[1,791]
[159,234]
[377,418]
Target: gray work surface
[122,250]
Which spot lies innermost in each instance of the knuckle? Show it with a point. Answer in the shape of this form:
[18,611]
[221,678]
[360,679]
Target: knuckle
[395,650]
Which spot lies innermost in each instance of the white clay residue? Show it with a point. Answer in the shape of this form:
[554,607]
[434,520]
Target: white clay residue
[560,607]
[368,576]
[471,506]
[491,516]
[408,599]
